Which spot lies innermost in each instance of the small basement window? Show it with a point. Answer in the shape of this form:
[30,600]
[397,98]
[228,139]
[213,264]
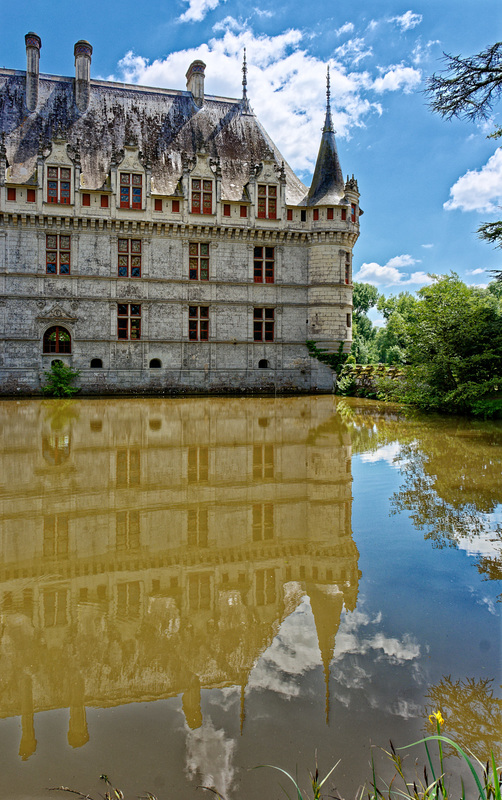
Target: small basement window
[155,363]
[263,363]
[96,363]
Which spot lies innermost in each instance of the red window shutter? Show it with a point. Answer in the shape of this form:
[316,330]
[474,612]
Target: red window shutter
[176,206]
[158,205]
[104,201]
[244,211]
[11,194]
[344,213]
[330,213]
[316,214]
[226,209]
[86,199]
[290,214]
[353,212]
[31,196]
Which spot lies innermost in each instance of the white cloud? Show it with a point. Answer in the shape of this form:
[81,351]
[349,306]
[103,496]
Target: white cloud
[389,274]
[427,246]
[348,27]
[478,271]
[197,10]
[478,190]
[407,21]
[421,52]
[354,50]
[398,77]
[262,12]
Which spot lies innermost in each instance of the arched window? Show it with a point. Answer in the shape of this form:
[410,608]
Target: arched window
[155,363]
[57,340]
[96,363]
[263,363]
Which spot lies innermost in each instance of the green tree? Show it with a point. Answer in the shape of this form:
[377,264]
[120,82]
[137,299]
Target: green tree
[58,382]
[392,339]
[365,296]
[455,349]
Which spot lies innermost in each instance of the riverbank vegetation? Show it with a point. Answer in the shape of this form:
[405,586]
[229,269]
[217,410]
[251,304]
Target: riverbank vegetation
[446,342]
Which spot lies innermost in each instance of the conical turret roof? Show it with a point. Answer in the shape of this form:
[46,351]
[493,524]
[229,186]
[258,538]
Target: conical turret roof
[328,186]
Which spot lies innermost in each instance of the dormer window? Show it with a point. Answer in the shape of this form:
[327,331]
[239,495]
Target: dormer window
[202,196]
[131,190]
[58,185]
[267,201]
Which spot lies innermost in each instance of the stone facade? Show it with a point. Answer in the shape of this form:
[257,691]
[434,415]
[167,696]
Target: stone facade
[156,240]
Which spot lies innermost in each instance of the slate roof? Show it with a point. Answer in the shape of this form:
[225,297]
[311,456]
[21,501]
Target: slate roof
[328,186]
[162,123]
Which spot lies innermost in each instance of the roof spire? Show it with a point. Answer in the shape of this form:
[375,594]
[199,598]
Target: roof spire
[328,122]
[245,101]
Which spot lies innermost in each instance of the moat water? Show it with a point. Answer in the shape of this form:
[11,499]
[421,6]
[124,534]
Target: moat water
[190,588]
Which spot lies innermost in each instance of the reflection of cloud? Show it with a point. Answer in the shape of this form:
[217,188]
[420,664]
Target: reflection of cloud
[209,755]
[388,453]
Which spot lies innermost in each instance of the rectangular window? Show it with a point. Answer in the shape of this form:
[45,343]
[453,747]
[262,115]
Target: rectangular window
[198,464]
[198,323]
[347,267]
[55,535]
[58,185]
[128,467]
[57,254]
[129,258]
[263,461]
[263,522]
[131,190]
[353,212]
[344,214]
[349,321]
[11,194]
[128,321]
[202,196]
[303,216]
[198,261]
[244,211]
[104,201]
[265,587]
[31,196]
[226,209]
[158,204]
[127,526]
[264,265]
[176,206]
[267,201]
[197,528]
[289,214]
[199,592]
[86,199]
[329,214]
[316,214]
[263,324]
[128,600]
[55,604]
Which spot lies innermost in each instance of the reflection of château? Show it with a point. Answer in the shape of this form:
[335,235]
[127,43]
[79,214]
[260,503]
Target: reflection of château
[152,548]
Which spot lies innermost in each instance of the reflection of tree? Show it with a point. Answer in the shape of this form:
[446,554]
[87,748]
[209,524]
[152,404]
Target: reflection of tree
[473,716]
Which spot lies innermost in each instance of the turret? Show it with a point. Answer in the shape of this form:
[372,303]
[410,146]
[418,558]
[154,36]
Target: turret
[327,184]
[33,45]
[83,53]
[195,81]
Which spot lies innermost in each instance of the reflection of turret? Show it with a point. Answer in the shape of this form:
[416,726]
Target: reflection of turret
[78,734]
[191,703]
[28,743]
[326,603]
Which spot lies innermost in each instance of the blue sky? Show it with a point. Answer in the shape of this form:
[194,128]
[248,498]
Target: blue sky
[425,184]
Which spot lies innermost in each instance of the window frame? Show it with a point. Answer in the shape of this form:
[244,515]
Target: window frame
[59,185]
[128,256]
[129,322]
[263,264]
[131,190]
[11,194]
[47,349]
[196,257]
[58,252]
[263,323]
[198,323]
[201,196]
[266,199]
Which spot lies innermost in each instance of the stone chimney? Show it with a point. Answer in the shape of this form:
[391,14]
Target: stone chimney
[195,81]
[33,45]
[83,53]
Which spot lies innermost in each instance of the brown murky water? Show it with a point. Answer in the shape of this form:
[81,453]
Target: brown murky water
[190,588]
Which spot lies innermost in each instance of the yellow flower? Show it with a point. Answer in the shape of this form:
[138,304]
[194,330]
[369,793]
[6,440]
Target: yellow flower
[436,716]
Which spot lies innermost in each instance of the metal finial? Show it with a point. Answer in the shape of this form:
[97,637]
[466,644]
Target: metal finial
[328,93]
[244,77]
